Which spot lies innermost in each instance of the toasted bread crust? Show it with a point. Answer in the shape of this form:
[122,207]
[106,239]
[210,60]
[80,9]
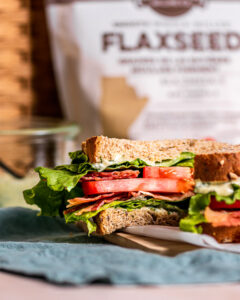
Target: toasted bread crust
[114,219]
[217,166]
[214,161]
[101,148]
[223,234]
[91,148]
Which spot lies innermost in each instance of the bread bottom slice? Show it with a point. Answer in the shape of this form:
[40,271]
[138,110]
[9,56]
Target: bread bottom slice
[113,219]
[223,234]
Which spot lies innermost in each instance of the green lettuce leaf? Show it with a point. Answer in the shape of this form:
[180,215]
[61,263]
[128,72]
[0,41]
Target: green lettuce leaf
[129,205]
[52,203]
[58,180]
[137,163]
[67,176]
[48,200]
[185,159]
[56,183]
[195,217]
[191,223]
[229,199]
[186,163]
[81,165]
[87,216]
[81,169]
[198,204]
[78,157]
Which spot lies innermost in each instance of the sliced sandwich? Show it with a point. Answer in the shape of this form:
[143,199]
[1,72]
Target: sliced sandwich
[215,207]
[114,183]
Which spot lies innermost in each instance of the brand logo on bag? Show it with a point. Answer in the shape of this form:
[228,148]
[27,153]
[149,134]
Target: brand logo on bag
[171,8]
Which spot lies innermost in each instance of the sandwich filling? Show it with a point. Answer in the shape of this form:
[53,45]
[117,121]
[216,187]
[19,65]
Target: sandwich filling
[217,203]
[81,190]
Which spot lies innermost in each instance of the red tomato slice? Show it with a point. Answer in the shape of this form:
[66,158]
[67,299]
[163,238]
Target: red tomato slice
[162,185]
[168,172]
[214,204]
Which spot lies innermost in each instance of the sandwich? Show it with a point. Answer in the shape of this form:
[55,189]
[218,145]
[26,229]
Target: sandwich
[215,207]
[113,183]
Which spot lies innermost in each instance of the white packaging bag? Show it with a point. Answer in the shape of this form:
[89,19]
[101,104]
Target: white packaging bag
[149,69]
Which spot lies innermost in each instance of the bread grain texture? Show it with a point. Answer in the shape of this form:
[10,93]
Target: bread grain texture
[114,219]
[223,234]
[101,148]
[214,161]
[217,166]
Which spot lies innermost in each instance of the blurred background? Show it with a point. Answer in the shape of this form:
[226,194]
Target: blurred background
[32,129]
[137,69]
[27,84]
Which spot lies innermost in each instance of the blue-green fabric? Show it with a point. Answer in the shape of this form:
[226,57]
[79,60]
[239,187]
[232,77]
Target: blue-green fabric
[46,247]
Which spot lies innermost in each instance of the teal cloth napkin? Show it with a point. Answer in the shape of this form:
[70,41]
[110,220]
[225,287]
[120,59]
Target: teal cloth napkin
[48,248]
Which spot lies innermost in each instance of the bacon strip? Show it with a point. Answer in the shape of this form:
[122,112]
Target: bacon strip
[83,203]
[114,197]
[170,197]
[94,206]
[222,218]
[166,197]
[82,200]
[74,208]
[96,176]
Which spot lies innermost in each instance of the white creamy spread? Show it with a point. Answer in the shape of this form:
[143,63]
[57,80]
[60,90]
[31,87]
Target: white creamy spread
[103,165]
[221,188]
[118,159]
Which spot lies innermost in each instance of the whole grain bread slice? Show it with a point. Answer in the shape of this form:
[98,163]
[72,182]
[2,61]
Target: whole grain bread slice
[113,219]
[101,148]
[217,166]
[214,161]
[223,234]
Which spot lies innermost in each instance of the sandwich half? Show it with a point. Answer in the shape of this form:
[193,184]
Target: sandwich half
[115,183]
[215,207]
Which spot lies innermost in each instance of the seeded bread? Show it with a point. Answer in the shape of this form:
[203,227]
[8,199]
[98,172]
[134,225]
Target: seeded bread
[214,161]
[223,234]
[217,166]
[114,219]
[101,148]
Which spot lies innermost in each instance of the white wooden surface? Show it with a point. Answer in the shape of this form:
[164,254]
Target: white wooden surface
[14,287]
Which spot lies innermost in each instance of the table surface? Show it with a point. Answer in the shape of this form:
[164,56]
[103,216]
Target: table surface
[21,287]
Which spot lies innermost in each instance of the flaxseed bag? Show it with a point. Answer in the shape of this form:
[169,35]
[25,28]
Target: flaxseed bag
[149,69]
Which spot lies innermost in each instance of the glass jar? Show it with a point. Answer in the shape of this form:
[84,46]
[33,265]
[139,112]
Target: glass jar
[26,144]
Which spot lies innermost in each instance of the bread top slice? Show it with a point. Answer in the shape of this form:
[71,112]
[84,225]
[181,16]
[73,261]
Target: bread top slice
[214,161]
[217,167]
[101,148]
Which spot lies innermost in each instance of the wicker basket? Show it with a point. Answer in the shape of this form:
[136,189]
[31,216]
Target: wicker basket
[27,84]
[15,63]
